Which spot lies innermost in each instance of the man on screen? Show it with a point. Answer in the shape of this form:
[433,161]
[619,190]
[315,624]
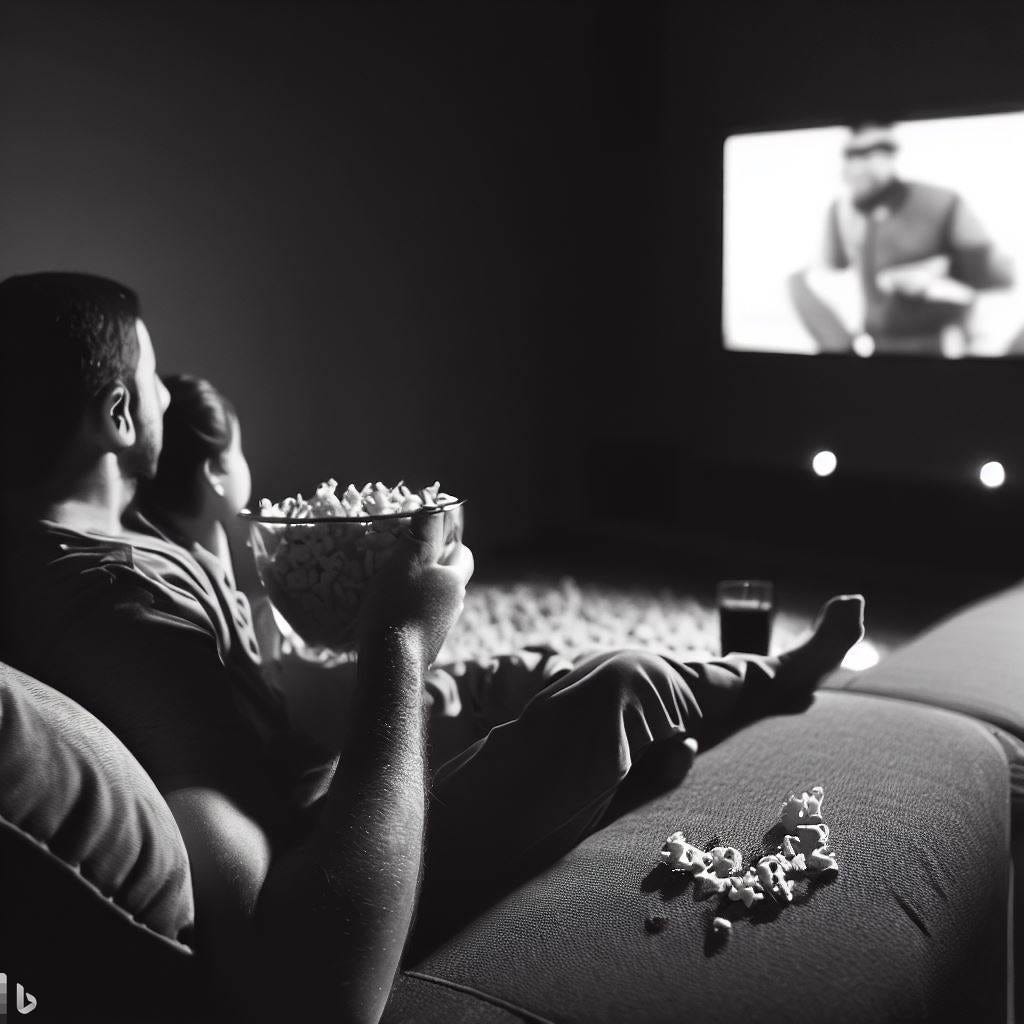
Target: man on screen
[918,256]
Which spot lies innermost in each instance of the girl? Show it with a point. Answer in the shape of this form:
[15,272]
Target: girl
[202,482]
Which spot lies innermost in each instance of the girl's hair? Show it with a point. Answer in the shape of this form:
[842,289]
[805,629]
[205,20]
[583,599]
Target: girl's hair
[198,425]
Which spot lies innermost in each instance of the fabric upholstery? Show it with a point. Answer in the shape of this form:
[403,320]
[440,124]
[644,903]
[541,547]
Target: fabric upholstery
[416,998]
[913,929]
[972,662]
[71,790]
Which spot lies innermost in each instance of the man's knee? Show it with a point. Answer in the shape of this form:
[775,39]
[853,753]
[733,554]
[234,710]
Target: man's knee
[620,676]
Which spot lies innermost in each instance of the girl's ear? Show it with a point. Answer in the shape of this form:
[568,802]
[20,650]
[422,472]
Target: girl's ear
[214,476]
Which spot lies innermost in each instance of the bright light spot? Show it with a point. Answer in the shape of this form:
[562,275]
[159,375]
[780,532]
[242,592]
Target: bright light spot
[861,656]
[992,474]
[864,345]
[824,463]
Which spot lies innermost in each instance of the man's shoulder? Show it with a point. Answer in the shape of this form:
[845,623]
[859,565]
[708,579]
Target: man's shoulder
[57,580]
[58,560]
[930,197]
[50,562]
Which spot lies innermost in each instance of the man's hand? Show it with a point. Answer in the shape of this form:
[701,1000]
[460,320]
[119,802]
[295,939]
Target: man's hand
[913,279]
[419,592]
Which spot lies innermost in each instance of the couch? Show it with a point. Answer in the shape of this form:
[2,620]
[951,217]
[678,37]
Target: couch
[922,760]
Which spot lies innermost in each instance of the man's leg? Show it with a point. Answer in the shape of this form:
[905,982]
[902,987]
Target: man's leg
[533,787]
[479,695]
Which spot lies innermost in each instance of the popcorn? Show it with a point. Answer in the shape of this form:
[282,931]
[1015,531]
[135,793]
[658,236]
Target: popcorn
[719,871]
[746,888]
[315,572]
[373,499]
[726,860]
[812,837]
[822,864]
[721,926]
[324,502]
[813,804]
[803,810]
[378,501]
[680,855]
[771,873]
[798,865]
[809,851]
[709,884]
[675,852]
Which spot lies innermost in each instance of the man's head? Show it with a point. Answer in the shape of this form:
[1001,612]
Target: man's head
[79,377]
[869,158]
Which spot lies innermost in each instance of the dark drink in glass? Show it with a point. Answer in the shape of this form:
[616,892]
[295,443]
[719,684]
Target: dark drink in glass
[745,616]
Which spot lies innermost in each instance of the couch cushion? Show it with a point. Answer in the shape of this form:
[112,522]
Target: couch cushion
[972,662]
[913,929]
[72,793]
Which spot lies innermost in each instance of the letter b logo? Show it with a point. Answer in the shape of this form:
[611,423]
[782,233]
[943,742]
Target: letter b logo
[26,1001]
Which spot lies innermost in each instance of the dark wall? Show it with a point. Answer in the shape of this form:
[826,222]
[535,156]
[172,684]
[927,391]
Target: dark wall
[786,64]
[371,224]
[481,242]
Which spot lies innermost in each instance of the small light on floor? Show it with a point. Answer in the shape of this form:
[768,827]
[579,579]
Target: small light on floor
[992,474]
[861,656]
[824,463]
[864,346]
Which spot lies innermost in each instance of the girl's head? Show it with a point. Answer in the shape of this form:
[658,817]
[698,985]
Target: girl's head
[202,470]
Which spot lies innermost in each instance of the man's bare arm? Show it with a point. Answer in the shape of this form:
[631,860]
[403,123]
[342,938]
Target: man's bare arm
[338,909]
[317,931]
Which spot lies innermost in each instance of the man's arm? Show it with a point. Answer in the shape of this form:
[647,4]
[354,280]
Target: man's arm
[317,931]
[975,259]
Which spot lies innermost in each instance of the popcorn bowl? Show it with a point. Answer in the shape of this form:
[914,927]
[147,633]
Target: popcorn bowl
[316,569]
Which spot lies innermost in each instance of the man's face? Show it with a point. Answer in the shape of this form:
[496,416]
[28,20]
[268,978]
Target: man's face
[868,164]
[149,402]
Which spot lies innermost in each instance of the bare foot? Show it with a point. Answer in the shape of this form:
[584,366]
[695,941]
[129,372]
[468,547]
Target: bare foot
[839,626]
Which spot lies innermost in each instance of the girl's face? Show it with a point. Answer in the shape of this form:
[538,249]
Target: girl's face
[235,476]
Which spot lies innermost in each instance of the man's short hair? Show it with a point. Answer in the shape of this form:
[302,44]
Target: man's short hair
[63,338]
[876,133]
[863,123]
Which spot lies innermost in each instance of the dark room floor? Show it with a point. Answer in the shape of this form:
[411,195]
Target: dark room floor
[664,575]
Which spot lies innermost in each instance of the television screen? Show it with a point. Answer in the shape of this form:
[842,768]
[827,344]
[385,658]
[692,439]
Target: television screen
[876,238]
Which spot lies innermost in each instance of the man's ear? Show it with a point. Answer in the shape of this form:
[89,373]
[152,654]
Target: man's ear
[114,417]
[214,475]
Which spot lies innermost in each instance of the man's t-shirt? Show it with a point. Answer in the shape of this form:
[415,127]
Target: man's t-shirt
[152,639]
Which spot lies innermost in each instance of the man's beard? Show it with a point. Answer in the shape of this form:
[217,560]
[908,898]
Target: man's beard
[141,460]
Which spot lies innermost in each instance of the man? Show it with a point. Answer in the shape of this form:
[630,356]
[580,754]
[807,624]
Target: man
[918,253]
[306,871]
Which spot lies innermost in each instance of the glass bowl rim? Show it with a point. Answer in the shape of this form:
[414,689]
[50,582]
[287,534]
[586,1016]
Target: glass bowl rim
[254,517]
